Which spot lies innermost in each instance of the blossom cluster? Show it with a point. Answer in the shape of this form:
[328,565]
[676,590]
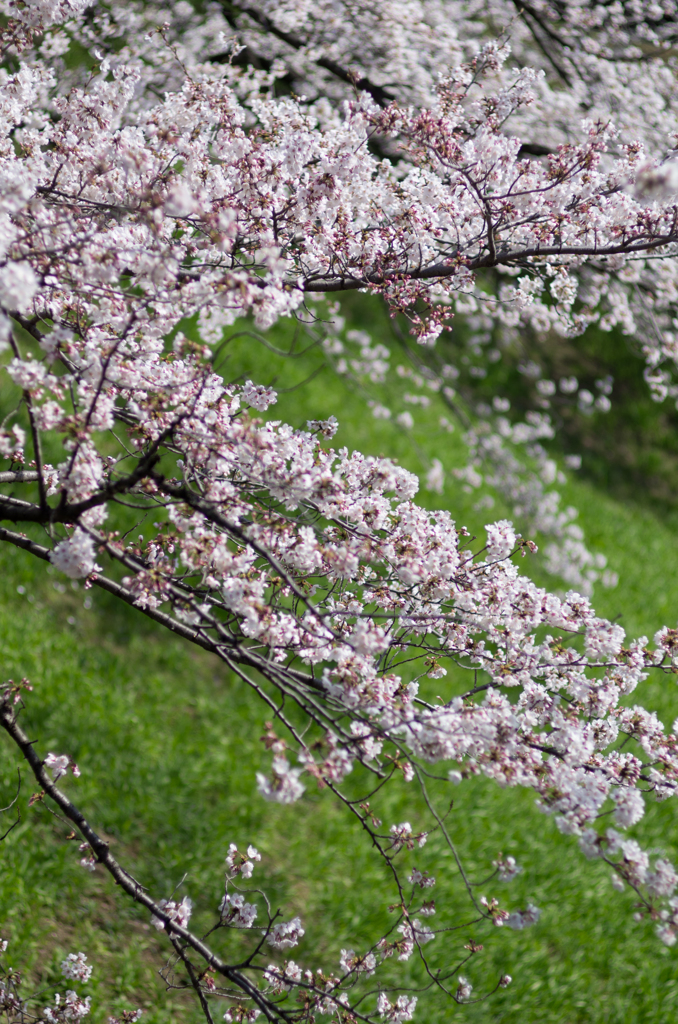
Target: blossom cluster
[18,1006]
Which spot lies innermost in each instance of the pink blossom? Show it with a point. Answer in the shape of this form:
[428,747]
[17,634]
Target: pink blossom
[286,934]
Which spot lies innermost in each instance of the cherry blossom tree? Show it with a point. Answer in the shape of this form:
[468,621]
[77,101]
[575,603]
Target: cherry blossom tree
[512,164]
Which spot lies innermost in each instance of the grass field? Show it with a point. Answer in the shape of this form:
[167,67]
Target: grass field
[168,744]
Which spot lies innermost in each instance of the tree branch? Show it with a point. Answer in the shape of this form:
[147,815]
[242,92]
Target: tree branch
[378,93]
[120,875]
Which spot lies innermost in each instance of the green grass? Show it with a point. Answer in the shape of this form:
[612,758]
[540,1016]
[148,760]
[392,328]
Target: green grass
[168,744]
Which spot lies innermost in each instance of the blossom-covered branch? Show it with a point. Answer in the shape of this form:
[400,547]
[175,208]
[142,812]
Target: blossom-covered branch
[251,986]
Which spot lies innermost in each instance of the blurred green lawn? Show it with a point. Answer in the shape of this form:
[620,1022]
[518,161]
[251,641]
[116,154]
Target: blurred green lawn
[168,744]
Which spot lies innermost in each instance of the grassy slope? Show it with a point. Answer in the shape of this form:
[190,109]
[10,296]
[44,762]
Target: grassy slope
[169,746]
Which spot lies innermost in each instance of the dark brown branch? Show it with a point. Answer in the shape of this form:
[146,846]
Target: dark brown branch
[534,149]
[377,92]
[207,509]
[119,874]
[20,541]
[549,33]
[18,511]
[451,268]
[195,982]
[9,806]
[196,635]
